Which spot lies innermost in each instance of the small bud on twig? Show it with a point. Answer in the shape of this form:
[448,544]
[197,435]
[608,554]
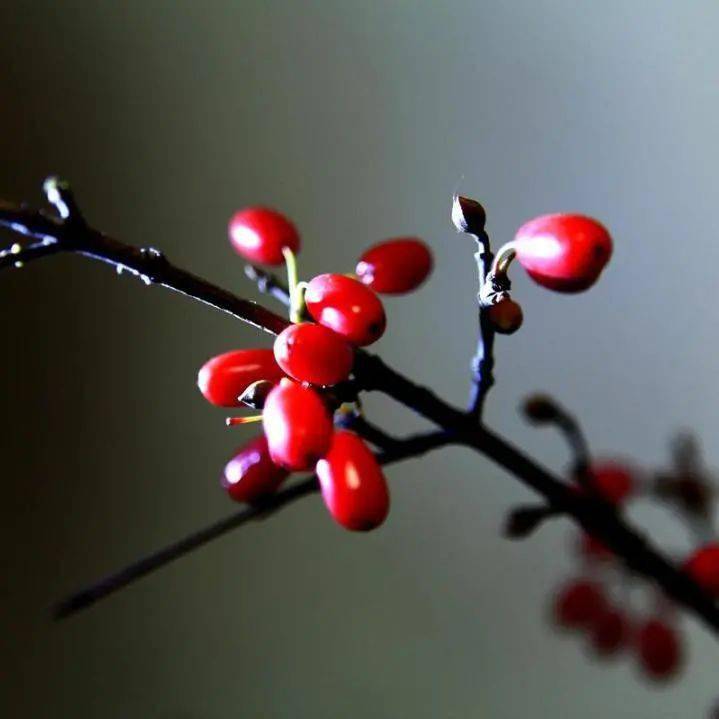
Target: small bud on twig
[468,215]
[521,522]
[541,409]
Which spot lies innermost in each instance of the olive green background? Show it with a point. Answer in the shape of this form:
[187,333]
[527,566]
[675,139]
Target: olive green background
[359,120]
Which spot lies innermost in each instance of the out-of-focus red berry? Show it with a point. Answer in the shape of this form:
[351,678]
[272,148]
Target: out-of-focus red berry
[251,475]
[353,486]
[395,266]
[313,353]
[578,603]
[703,567]
[592,548]
[260,234]
[506,316]
[659,649]
[224,378]
[609,632]
[297,425]
[613,481]
[563,252]
[346,306]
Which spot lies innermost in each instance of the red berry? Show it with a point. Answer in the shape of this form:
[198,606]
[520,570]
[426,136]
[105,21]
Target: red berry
[251,474]
[297,425]
[352,483]
[565,253]
[313,353]
[396,266]
[578,604]
[703,567]
[613,481]
[609,632]
[660,650]
[346,306]
[506,316]
[225,377]
[260,234]
[592,548]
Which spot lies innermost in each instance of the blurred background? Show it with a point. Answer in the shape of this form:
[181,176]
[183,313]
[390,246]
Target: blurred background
[359,120]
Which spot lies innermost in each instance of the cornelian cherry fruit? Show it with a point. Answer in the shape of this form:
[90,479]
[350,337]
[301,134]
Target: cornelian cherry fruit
[346,306]
[224,378]
[578,604]
[297,425]
[593,549]
[260,234]
[613,481]
[703,568]
[609,632]
[251,475]
[659,649]
[563,252]
[506,316]
[353,486]
[313,353]
[395,266]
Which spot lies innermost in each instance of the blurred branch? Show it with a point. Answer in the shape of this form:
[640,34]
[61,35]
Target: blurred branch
[542,410]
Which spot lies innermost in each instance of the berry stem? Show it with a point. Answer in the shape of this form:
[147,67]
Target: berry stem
[234,421]
[293,285]
[503,259]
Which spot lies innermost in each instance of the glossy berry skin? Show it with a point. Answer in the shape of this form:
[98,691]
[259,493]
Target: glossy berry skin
[609,632]
[313,353]
[565,253]
[251,475]
[396,266]
[578,604]
[703,567]
[506,316]
[613,481]
[346,306]
[297,425]
[659,649]
[259,235]
[353,486]
[224,378]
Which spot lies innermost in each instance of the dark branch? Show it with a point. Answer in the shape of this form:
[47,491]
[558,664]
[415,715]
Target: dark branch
[469,217]
[370,373]
[268,284]
[411,447]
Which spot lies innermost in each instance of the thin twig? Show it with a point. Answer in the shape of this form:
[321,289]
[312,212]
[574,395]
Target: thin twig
[543,410]
[411,447]
[469,217]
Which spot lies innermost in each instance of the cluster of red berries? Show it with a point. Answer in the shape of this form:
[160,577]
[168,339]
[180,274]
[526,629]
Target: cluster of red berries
[611,626]
[333,315]
[586,603]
